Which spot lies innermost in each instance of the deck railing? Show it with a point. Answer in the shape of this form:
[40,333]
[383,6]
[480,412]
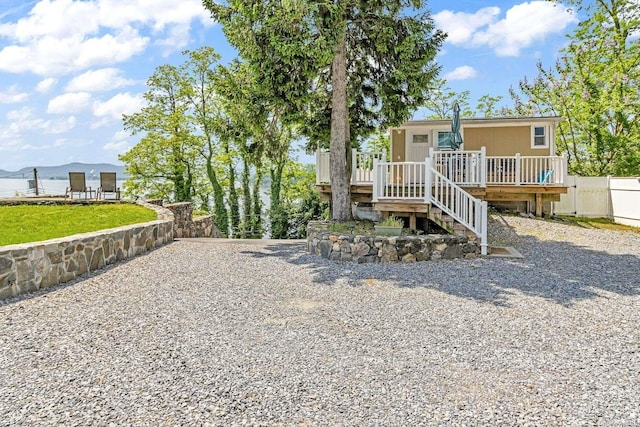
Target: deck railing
[393,180]
[463,167]
[361,166]
[458,204]
[420,181]
[526,170]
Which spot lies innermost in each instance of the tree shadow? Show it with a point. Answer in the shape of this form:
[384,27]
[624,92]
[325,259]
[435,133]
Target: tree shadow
[557,271]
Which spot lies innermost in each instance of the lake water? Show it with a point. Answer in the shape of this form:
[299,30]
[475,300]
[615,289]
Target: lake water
[13,187]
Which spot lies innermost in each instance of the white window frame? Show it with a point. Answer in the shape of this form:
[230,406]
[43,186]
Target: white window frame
[436,133]
[547,137]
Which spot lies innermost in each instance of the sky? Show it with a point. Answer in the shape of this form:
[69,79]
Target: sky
[69,69]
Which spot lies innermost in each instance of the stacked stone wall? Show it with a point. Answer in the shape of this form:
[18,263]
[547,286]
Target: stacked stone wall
[373,249]
[31,266]
[186,226]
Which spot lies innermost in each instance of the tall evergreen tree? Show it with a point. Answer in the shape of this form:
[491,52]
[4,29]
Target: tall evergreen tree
[345,66]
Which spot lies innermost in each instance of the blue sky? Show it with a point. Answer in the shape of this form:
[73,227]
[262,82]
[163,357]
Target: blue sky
[69,69]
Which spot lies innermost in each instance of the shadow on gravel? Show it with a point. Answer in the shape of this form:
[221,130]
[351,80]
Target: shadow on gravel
[556,271]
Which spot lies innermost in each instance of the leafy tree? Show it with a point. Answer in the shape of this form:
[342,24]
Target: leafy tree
[207,118]
[163,164]
[367,63]
[442,98]
[595,87]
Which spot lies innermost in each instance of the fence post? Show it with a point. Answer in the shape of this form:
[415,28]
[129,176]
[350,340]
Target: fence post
[318,166]
[376,183]
[518,169]
[427,180]
[565,169]
[483,166]
[354,165]
[484,208]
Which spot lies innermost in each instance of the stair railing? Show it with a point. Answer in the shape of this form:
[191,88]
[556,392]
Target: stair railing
[457,203]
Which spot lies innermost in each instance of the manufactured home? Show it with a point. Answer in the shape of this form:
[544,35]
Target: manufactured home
[501,161]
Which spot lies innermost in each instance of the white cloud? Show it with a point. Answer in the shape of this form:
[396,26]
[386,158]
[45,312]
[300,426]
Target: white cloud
[98,80]
[522,25]
[461,73]
[119,143]
[13,96]
[72,102]
[60,126]
[460,26]
[62,36]
[114,108]
[45,86]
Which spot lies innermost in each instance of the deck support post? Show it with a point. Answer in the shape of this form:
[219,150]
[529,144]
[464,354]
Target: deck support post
[412,221]
[538,204]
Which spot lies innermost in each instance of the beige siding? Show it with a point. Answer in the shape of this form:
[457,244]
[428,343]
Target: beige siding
[397,145]
[502,141]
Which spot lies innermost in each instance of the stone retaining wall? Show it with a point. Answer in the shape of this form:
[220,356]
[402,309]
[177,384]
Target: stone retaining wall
[372,249]
[31,266]
[186,226]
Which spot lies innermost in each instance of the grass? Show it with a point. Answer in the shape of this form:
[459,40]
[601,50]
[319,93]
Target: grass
[601,223]
[34,223]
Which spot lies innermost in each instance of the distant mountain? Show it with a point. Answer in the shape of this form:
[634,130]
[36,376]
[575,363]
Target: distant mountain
[92,171]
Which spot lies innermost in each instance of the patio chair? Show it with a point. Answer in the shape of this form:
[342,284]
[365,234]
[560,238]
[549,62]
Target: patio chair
[108,185]
[545,176]
[78,184]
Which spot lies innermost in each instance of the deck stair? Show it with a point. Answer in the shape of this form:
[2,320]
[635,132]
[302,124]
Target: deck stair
[447,203]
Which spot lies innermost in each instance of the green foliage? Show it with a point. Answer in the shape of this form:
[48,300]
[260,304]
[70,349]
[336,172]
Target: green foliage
[392,221]
[291,49]
[595,85]
[441,100]
[34,223]
[300,203]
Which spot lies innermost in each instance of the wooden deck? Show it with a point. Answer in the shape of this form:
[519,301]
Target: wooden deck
[537,194]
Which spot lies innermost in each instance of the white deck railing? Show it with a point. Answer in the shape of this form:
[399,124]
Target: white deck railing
[393,180]
[458,204]
[526,170]
[463,167]
[420,181]
[361,166]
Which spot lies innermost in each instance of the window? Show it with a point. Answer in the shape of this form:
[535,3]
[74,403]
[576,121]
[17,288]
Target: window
[420,139]
[539,137]
[444,139]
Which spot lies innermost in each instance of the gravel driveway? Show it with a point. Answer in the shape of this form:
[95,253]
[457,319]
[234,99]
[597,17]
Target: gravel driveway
[260,333]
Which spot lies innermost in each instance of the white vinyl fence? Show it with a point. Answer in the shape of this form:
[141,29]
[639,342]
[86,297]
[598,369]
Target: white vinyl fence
[602,197]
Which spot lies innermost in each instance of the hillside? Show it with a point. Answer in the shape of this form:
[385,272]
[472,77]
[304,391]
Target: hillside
[92,171]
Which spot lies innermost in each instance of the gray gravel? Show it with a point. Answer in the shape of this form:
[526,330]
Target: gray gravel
[216,333]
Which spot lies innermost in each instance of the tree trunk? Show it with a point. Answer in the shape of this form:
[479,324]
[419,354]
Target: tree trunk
[246,225]
[220,215]
[234,205]
[339,170]
[256,219]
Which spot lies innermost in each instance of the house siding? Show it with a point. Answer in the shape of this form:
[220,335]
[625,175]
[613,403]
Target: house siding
[502,141]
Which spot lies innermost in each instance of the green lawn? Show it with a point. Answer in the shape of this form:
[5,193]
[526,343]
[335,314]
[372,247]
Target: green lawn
[33,223]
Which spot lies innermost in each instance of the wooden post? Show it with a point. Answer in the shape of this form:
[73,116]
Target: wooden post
[517,169]
[538,204]
[412,220]
[35,179]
